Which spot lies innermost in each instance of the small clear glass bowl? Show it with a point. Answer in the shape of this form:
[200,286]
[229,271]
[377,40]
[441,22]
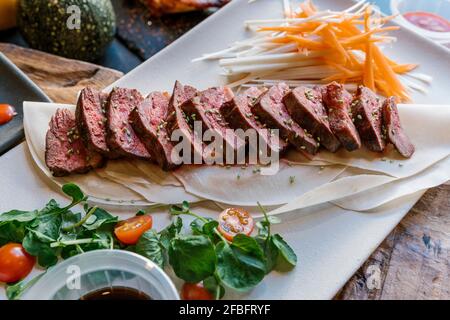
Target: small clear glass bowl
[102,269]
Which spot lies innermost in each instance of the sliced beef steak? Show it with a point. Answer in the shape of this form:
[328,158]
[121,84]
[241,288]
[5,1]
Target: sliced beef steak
[271,110]
[238,113]
[366,115]
[149,121]
[306,108]
[393,130]
[177,123]
[205,107]
[65,152]
[91,120]
[337,102]
[121,138]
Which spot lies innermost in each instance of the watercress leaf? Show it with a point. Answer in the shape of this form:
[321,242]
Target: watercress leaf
[175,210]
[69,218]
[46,255]
[241,265]
[48,227]
[100,240]
[185,206]
[69,251]
[99,218]
[270,252]
[51,206]
[140,213]
[12,232]
[285,251]
[193,257]
[208,227]
[197,226]
[214,287]
[150,247]
[263,228]
[170,232]
[200,227]
[73,191]
[17,215]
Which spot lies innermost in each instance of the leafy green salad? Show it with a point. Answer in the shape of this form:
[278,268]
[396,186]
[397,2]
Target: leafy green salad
[209,255]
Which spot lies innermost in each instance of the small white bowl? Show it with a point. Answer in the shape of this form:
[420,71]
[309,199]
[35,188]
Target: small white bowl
[100,269]
[438,7]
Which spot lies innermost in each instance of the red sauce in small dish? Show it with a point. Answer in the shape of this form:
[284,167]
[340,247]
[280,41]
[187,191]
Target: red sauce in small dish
[428,21]
[7,113]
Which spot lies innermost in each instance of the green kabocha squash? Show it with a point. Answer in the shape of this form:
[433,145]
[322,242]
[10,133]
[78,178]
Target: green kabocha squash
[78,29]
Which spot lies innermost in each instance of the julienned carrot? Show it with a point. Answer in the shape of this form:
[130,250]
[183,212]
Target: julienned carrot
[386,70]
[307,10]
[344,43]
[307,43]
[364,37]
[368,78]
[308,26]
[404,68]
[333,42]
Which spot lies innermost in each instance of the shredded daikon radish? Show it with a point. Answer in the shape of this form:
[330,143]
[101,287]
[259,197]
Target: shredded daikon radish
[312,46]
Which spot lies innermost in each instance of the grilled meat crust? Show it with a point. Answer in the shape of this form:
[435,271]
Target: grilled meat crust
[393,129]
[149,121]
[91,120]
[205,107]
[271,110]
[366,112]
[337,102]
[176,120]
[238,113]
[121,138]
[65,152]
[306,108]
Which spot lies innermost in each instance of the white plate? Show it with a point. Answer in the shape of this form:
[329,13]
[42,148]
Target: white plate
[331,243]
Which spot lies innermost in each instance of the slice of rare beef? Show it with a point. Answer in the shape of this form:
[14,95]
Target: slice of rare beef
[149,121]
[91,120]
[271,110]
[366,115]
[238,113]
[393,130]
[205,107]
[306,108]
[121,138]
[65,152]
[177,124]
[337,101]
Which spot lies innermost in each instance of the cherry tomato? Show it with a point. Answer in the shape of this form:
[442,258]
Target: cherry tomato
[15,262]
[129,231]
[7,112]
[195,291]
[233,221]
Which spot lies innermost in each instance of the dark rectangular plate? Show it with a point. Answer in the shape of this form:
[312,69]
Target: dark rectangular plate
[15,88]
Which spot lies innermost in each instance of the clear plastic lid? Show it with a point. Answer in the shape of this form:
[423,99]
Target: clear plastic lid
[101,269]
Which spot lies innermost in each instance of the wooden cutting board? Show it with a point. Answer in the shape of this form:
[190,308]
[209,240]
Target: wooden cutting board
[412,263]
[60,78]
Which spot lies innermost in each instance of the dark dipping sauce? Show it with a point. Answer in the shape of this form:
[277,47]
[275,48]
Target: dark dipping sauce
[116,293]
